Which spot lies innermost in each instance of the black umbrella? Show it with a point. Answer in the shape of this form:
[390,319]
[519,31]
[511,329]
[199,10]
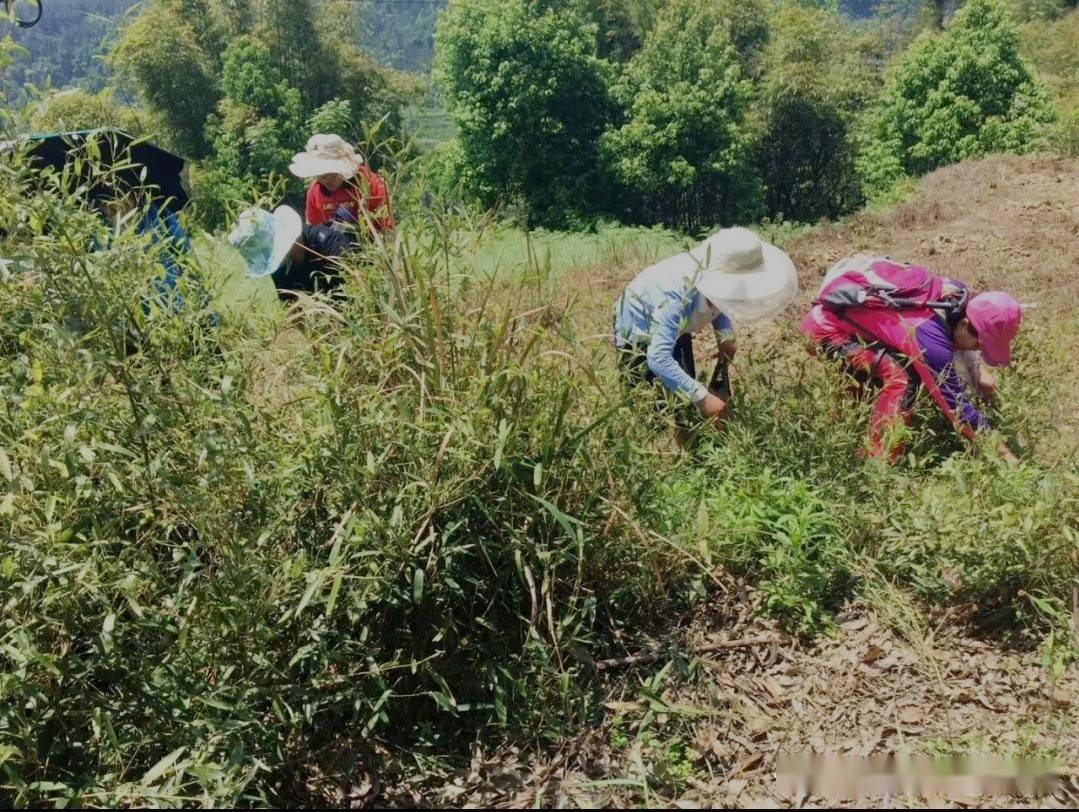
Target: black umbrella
[135,163]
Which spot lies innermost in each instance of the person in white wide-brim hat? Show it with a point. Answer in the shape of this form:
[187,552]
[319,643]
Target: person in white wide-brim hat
[344,190]
[298,258]
[732,274]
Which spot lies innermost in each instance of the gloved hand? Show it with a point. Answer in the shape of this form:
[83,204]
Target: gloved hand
[720,383]
[343,216]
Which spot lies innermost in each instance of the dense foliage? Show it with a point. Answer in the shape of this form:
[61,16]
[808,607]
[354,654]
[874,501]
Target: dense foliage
[815,83]
[233,557]
[723,111]
[1052,46]
[685,102]
[210,578]
[237,83]
[529,93]
[67,47]
[401,35]
[76,109]
[964,93]
[241,549]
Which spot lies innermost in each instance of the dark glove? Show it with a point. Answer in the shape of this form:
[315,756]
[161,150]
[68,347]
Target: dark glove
[720,384]
[343,215]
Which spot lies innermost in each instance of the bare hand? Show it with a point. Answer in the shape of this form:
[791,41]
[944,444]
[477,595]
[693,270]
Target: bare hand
[950,291]
[713,407]
[726,351]
[987,384]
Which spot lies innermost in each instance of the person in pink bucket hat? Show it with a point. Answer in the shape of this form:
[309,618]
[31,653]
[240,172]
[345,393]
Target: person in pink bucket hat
[897,327]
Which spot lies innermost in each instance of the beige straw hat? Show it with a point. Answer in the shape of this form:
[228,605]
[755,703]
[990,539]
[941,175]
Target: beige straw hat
[746,277]
[326,154]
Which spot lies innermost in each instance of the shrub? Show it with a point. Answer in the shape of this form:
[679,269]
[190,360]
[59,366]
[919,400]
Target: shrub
[82,110]
[815,82]
[529,95]
[958,95]
[212,581]
[335,116]
[782,496]
[778,529]
[682,157]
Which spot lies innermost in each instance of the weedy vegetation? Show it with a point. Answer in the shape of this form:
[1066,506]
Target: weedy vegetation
[424,526]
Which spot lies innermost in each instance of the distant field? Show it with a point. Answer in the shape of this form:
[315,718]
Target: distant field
[430,126]
[504,251]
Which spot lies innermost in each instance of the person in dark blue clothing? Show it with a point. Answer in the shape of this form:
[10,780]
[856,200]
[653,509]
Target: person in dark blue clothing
[162,224]
[298,258]
[167,236]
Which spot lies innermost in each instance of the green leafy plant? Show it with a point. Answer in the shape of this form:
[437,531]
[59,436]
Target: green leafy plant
[684,136]
[209,576]
[529,95]
[957,95]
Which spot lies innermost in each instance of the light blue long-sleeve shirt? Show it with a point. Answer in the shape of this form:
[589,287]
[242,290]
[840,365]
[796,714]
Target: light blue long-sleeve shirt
[657,308]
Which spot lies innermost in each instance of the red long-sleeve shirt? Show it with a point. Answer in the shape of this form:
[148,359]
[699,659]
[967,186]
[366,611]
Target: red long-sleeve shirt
[365,192]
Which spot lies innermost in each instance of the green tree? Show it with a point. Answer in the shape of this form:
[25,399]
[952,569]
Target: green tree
[160,55]
[747,23]
[961,94]
[65,47]
[529,95]
[260,120]
[682,153]
[77,109]
[401,35]
[816,80]
[173,54]
[622,24]
[335,116]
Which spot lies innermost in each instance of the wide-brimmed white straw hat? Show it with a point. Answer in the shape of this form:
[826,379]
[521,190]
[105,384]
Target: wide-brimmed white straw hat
[326,154]
[264,239]
[744,276]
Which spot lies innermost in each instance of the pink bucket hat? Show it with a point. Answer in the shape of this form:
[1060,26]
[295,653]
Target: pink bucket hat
[996,317]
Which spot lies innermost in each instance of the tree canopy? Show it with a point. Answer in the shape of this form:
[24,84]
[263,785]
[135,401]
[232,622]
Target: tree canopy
[815,81]
[960,94]
[528,91]
[684,99]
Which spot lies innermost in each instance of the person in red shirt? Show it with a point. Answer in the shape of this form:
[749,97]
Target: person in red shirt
[344,188]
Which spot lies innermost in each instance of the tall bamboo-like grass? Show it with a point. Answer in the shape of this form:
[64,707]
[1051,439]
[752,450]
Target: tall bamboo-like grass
[210,583]
[234,561]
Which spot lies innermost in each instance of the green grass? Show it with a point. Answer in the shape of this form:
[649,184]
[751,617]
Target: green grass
[235,294]
[509,255]
[430,126]
[215,593]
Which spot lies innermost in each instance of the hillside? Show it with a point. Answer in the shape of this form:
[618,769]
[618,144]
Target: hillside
[896,676]
[67,46]
[400,35]
[410,539]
